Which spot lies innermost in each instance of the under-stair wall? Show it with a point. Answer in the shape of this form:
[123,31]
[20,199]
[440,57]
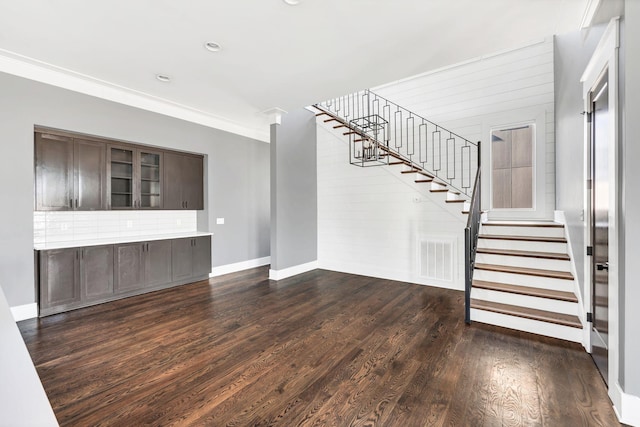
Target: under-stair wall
[378,222]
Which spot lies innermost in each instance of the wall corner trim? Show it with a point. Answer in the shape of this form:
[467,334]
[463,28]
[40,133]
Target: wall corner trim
[628,411]
[24,312]
[239,266]
[292,271]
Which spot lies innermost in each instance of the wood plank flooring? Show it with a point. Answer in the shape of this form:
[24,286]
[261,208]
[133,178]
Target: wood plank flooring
[321,348]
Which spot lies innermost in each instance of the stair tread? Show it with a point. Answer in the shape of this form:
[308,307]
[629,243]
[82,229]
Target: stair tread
[527,271]
[523,224]
[527,254]
[424,180]
[439,190]
[525,238]
[528,313]
[411,171]
[526,290]
[455,201]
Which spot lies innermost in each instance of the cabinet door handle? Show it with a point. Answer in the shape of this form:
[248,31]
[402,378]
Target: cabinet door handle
[82,254]
[76,203]
[77,254]
[186,204]
[71,203]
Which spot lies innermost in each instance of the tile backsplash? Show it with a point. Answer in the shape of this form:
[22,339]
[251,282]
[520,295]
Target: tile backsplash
[50,227]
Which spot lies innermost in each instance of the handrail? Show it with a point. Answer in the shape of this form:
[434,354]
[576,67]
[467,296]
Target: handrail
[406,136]
[471,243]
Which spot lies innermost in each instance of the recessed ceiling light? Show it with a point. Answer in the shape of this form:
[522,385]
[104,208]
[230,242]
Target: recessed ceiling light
[212,46]
[163,78]
[292,2]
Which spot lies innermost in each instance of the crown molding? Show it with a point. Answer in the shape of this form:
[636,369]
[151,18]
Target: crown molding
[32,69]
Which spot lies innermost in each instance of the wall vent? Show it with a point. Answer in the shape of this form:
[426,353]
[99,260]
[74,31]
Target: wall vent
[436,259]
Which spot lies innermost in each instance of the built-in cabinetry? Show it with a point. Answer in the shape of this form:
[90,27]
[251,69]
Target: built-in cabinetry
[70,173]
[183,181]
[71,278]
[82,173]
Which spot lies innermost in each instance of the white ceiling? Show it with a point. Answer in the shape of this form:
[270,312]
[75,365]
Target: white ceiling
[274,55]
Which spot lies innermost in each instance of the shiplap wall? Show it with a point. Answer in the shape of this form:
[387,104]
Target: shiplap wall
[500,89]
[371,222]
[368,220]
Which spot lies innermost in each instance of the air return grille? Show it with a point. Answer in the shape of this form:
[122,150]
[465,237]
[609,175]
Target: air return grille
[436,259]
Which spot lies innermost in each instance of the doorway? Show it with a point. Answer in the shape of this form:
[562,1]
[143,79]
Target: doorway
[599,143]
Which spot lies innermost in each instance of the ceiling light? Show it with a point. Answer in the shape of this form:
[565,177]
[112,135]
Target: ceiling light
[292,2]
[212,46]
[163,78]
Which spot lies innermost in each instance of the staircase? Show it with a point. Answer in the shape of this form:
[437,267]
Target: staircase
[522,280]
[518,275]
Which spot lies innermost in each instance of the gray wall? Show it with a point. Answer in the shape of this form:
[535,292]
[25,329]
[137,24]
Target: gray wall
[294,191]
[572,52]
[630,206]
[237,172]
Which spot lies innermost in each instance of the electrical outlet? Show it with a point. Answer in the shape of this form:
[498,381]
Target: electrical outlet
[219,221]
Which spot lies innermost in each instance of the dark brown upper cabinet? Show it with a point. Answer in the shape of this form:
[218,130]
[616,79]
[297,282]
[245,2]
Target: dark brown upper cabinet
[70,173]
[183,181]
[134,177]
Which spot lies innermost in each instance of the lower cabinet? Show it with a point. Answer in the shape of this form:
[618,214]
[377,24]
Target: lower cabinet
[191,257]
[71,277]
[79,277]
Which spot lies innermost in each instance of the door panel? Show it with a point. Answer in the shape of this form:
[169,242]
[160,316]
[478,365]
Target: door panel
[128,274]
[158,263]
[202,256]
[90,180]
[182,258]
[54,172]
[192,187]
[59,283]
[96,272]
[172,183]
[600,224]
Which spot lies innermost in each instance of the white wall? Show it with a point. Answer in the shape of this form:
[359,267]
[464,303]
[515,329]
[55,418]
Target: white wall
[500,89]
[370,220]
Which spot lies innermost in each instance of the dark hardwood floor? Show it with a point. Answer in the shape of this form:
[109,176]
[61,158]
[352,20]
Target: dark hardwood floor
[321,348]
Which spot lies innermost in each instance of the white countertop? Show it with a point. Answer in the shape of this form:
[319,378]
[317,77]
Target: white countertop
[23,401]
[117,240]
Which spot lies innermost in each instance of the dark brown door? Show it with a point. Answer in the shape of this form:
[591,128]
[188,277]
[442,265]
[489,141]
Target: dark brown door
[128,267]
[182,259]
[157,262]
[90,175]
[59,278]
[172,195]
[192,187]
[600,142]
[201,256]
[54,172]
[96,272]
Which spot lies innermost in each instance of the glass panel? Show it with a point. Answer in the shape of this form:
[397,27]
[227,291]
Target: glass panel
[512,167]
[149,180]
[121,178]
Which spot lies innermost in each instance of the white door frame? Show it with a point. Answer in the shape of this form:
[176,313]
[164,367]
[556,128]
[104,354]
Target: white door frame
[605,57]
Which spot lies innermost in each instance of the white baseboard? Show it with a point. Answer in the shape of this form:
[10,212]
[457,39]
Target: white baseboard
[239,266]
[24,312]
[292,271]
[629,410]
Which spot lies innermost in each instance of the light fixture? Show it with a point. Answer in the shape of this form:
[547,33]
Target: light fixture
[163,78]
[212,46]
[292,2]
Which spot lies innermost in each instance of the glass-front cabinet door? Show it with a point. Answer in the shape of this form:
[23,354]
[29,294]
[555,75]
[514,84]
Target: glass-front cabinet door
[135,178]
[150,180]
[121,179]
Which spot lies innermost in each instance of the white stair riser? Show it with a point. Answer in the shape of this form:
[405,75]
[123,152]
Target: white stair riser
[528,262]
[520,245]
[524,280]
[528,301]
[523,231]
[527,325]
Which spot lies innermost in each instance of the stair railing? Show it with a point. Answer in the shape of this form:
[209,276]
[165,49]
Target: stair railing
[471,243]
[381,129]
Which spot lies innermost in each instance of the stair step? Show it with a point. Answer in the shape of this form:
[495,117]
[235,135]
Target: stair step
[455,201]
[526,271]
[398,163]
[523,238]
[340,126]
[320,114]
[424,180]
[410,171]
[528,313]
[350,133]
[439,190]
[523,224]
[526,290]
[331,120]
[527,254]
